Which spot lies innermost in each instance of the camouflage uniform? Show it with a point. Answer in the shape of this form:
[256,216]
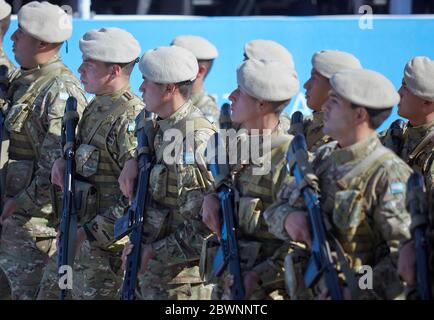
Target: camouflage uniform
[417,151]
[260,251]
[33,123]
[106,136]
[207,104]
[417,146]
[173,223]
[312,130]
[363,198]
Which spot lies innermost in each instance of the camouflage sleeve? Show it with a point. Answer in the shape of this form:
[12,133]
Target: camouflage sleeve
[194,181]
[37,193]
[392,221]
[121,143]
[288,200]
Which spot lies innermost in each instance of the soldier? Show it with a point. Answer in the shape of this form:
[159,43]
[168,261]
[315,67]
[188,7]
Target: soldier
[264,89]
[5,20]
[33,122]
[362,186]
[270,50]
[324,65]
[417,105]
[205,53]
[106,137]
[173,230]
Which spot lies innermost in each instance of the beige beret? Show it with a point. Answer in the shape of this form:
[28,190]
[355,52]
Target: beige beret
[268,80]
[419,77]
[109,45]
[268,50]
[200,47]
[366,88]
[45,21]
[5,9]
[329,62]
[169,65]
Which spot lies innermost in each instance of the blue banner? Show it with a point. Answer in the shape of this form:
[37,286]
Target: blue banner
[385,45]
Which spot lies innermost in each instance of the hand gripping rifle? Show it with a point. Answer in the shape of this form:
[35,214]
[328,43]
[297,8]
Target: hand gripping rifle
[132,222]
[321,260]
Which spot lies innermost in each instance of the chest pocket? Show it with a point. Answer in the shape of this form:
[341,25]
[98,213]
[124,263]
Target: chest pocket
[17,117]
[86,159]
[249,212]
[349,205]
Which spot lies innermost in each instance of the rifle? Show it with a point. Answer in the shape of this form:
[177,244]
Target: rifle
[68,220]
[420,226]
[296,123]
[321,261]
[225,116]
[3,96]
[132,222]
[396,132]
[227,253]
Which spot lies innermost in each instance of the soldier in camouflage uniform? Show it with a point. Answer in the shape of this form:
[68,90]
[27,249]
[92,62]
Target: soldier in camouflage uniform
[173,230]
[270,50]
[362,188]
[205,53]
[324,65]
[417,144]
[33,122]
[106,142]
[264,89]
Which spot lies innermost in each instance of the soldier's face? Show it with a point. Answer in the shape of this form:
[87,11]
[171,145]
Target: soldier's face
[243,107]
[410,105]
[25,48]
[339,116]
[317,90]
[152,95]
[95,75]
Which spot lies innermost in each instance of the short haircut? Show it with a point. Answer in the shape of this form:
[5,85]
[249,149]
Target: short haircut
[376,116]
[208,64]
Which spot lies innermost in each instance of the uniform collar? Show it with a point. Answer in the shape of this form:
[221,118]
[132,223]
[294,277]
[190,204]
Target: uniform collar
[105,102]
[175,117]
[317,120]
[358,150]
[417,134]
[197,96]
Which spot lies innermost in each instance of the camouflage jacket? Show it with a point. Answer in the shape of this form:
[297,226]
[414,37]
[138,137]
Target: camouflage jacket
[34,126]
[106,129]
[366,211]
[312,129]
[207,104]
[260,250]
[417,146]
[173,222]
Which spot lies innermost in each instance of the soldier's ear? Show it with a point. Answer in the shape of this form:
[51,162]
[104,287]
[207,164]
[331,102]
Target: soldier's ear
[362,114]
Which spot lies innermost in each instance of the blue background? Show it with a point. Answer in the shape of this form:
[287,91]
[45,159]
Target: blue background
[385,48]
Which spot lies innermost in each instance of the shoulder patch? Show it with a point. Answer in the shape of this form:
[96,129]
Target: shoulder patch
[397,187]
[63,95]
[131,126]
